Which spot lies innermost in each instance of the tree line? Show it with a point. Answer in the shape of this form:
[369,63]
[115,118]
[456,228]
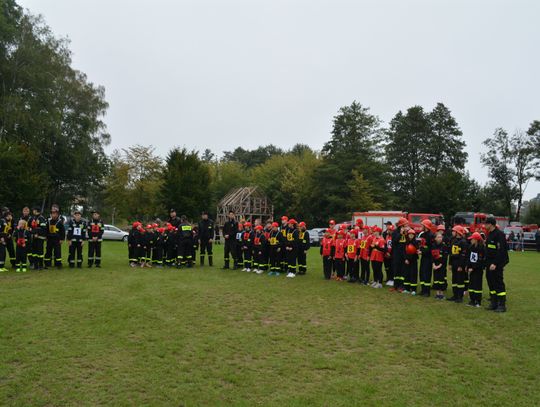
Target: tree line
[52,140]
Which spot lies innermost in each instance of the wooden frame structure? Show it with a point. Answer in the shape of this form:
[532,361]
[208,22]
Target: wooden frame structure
[248,203]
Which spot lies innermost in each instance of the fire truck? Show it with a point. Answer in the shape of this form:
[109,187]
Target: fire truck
[379,218]
[475,221]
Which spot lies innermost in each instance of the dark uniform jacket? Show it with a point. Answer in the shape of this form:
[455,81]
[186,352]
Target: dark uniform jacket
[76,230]
[496,249]
[206,230]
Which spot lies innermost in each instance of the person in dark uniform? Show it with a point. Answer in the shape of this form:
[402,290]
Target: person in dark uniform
[8,229]
[95,238]
[76,235]
[38,230]
[206,238]
[426,263]
[398,254]
[185,243]
[230,229]
[173,219]
[55,236]
[303,247]
[132,244]
[496,259]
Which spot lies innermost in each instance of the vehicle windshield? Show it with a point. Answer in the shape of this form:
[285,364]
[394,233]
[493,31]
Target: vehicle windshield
[416,219]
[467,218]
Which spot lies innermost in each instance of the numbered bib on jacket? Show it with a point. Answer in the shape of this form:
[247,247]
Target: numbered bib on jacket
[290,237]
[473,257]
[456,249]
[76,231]
[350,248]
[273,241]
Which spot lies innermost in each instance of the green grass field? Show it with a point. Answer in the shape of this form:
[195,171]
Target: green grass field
[121,336]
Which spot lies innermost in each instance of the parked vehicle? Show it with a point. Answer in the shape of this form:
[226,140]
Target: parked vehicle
[475,221]
[315,236]
[113,233]
[379,218]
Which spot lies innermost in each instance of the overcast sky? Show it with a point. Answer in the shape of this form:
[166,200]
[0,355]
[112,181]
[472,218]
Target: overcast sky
[222,74]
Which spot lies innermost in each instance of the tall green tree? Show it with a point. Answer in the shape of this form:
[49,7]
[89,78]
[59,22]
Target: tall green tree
[354,148]
[252,158]
[510,163]
[50,107]
[186,183]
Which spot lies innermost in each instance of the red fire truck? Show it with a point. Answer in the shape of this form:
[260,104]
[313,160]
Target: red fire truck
[475,221]
[379,218]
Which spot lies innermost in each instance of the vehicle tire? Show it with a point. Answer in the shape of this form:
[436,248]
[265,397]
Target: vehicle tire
[124,239]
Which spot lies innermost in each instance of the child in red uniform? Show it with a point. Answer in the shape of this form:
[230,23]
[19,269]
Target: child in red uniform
[340,246]
[353,250]
[365,247]
[378,245]
[327,253]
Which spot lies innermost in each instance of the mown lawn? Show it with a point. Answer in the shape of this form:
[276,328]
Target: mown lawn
[121,336]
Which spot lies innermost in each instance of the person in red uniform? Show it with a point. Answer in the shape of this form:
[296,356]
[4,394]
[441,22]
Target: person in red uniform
[378,249]
[340,248]
[353,252]
[365,248]
[327,253]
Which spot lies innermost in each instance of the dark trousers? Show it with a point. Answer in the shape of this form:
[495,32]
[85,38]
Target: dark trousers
[365,272]
[53,253]
[458,281]
[475,285]
[239,256]
[439,278]
[495,280]
[302,262]
[132,256]
[274,259]
[171,254]
[75,254]
[228,251]
[398,267]
[94,253]
[283,256]
[377,271]
[258,258]
[185,250]
[327,267]
[247,255]
[21,254]
[426,268]
[388,268]
[411,275]
[37,252]
[157,255]
[292,256]
[206,247]
[352,269]
[11,251]
[141,253]
[339,267]
[3,252]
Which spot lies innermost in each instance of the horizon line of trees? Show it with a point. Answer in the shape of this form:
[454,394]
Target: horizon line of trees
[52,139]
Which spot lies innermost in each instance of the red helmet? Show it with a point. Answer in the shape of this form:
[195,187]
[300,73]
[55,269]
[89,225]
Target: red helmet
[402,222]
[458,229]
[161,230]
[359,222]
[376,229]
[366,227]
[292,222]
[275,224]
[302,224]
[259,227]
[476,236]
[136,224]
[343,226]
[155,225]
[284,218]
[332,222]
[342,233]
[149,226]
[427,224]
[440,228]
[247,224]
[411,231]
[391,228]
[170,227]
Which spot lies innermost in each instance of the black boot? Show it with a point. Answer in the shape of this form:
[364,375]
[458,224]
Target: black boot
[226,265]
[201,260]
[210,260]
[502,305]
[493,304]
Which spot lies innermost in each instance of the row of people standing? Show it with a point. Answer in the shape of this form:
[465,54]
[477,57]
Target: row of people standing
[273,247]
[411,259]
[173,244]
[36,241]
